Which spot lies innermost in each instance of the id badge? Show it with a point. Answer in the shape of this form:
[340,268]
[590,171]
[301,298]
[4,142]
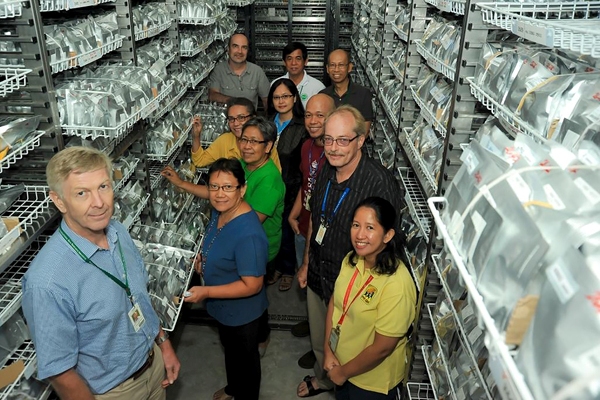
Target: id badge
[136,317]
[307,202]
[334,338]
[321,234]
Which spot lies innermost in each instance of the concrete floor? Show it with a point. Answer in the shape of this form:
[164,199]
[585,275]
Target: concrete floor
[203,366]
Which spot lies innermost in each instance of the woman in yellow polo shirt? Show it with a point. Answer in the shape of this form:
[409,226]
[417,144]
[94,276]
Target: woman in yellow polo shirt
[371,311]
[239,111]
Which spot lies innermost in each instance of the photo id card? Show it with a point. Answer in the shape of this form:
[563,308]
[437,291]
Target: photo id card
[136,317]
[334,338]
[320,234]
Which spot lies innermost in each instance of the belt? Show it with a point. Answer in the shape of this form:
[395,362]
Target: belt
[144,367]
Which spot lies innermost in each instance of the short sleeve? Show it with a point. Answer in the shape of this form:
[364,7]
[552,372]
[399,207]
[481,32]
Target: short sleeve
[396,310]
[368,106]
[213,79]
[271,193]
[263,84]
[51,321]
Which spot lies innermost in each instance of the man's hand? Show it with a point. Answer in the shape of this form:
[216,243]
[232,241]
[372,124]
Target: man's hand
[303,275]
[196,294]
[171,362]
[336,374]
[197,126]
[170,173]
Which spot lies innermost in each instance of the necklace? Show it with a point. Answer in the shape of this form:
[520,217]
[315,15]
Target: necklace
[256,169]
[206,251]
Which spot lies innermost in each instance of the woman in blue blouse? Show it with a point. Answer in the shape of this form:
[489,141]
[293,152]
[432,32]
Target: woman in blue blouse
[234,259]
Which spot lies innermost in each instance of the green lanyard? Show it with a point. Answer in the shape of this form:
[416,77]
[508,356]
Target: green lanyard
[108,274]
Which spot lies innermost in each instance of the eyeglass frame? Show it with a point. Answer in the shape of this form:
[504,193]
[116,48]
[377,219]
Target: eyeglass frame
[215,188]
[283,96]
[338,66]
[252,142]
[240,118]
[337,141]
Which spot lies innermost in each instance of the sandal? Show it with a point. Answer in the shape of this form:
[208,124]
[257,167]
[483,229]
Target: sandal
[309,386]
[286,283]
[221,395]
[274,278]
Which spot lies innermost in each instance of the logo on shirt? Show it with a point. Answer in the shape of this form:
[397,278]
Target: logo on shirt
[367,296]
[304,96]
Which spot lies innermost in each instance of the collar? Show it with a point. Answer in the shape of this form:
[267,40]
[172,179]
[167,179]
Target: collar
[281,125]
[349,181]
[230,71]
[304,80]
[245,166]
[88,248]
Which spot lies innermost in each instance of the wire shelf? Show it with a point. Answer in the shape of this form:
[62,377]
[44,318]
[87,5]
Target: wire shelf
[20,150]
[455,7]
[59,5]
[426,350]
[12,78]
[239,3]
[417,203]
[427,180]
[27,208]
[11,9]
[445,362]
[201,20]
[11,294]
[126,176]
[168,107]
[128,222]
[226,35]
[170,59]
[392,116]
[372,76]
[123,128]
[155,30]
[202,76]
[401,34]
[397,73]
[510,382]
[156,166]
[500,111]
[196,51]
[434,62]
[414,271]
[25,353]
[427,114]
[86,57]
[461,329]
[175,147]
[550,24]
[420,391]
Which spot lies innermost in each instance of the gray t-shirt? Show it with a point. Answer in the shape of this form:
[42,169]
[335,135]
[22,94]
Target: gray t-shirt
[251,84]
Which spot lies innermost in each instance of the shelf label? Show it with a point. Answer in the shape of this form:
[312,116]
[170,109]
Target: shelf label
[80,3]
[445,5]
[271,11]
[537,34]
[90,57]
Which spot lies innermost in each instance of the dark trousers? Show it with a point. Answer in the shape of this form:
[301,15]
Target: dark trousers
[242,361]
[348,391]
[264,330]
[285,262]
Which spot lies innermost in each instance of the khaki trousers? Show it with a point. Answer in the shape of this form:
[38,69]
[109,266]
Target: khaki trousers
[146,387]
[317,312]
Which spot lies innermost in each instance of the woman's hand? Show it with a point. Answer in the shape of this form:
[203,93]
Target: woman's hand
[337,376]
[196,294]
[170,173]
[330,361]
[197,126]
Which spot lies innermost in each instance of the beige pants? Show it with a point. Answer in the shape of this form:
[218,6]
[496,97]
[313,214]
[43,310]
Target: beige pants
[146,387]
[317,312]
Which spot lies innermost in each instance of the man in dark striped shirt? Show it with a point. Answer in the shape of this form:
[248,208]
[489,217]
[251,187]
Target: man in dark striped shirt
[348,177]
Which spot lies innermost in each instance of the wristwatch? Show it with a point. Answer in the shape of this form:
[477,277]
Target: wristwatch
[161,339]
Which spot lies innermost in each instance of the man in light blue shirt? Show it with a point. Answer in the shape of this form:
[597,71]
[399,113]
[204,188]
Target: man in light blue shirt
[84,296]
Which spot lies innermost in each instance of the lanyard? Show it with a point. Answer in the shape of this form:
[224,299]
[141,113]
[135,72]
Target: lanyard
[125,285]
[337,206]
[312,172]
[345,305]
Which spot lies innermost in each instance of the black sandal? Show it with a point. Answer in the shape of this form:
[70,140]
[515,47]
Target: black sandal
[311,390]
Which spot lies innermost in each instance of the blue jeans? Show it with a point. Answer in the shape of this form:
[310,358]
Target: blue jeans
[348,391]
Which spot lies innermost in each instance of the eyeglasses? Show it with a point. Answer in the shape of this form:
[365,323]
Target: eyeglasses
[226,188]
[253,142]
[342,142]
[283,97]
[239,118]
[337,66]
